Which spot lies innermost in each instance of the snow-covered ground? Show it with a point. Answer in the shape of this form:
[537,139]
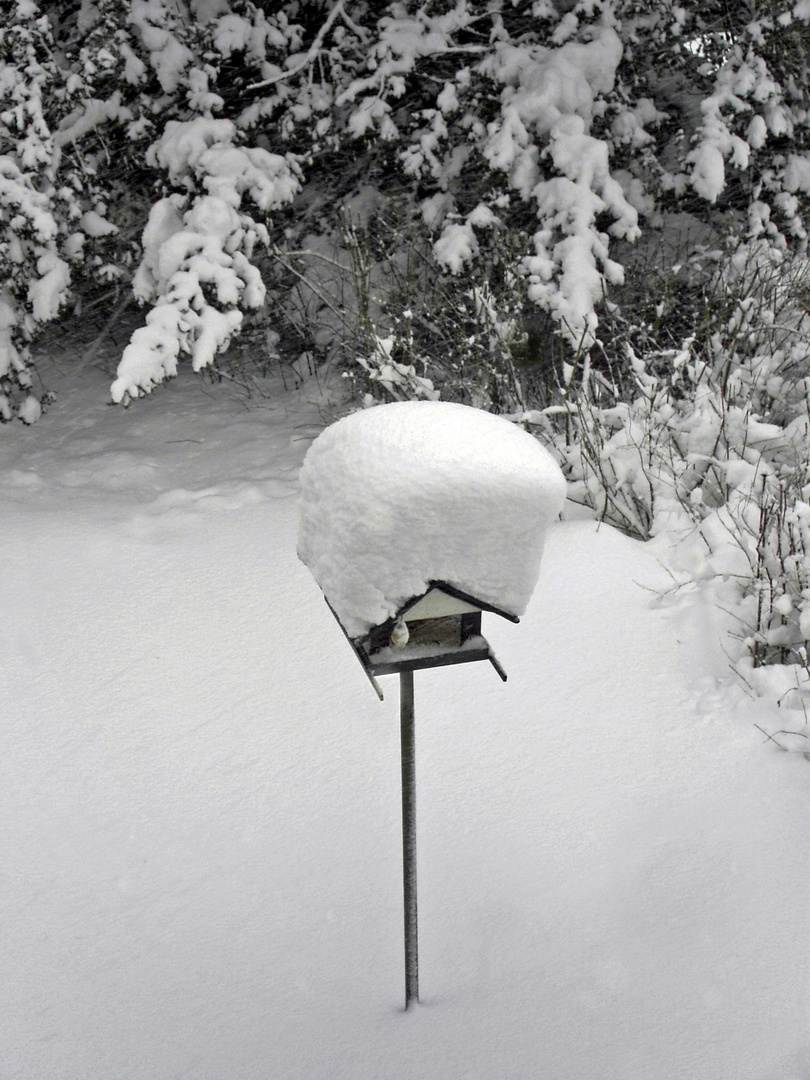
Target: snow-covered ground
[199,795]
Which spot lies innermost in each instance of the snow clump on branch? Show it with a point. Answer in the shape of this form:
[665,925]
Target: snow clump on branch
[196,268]
[551,94]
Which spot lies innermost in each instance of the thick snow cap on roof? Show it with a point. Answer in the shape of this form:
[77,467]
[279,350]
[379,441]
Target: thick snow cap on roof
[399,495]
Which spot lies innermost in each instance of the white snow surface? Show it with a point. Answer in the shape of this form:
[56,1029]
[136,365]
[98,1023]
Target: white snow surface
[398,495]
[199,794]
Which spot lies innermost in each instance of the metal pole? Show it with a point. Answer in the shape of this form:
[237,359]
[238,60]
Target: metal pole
[409,835]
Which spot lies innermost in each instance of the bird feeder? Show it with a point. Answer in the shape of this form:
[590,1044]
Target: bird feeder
[416,518]
[442,626]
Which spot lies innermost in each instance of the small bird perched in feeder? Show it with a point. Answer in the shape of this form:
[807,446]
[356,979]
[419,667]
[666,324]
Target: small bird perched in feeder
[400,635]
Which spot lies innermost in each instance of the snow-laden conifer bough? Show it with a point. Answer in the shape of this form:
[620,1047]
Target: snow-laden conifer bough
[400,496]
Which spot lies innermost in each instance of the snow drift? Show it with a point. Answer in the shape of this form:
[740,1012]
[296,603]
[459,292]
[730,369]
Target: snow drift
[402,494]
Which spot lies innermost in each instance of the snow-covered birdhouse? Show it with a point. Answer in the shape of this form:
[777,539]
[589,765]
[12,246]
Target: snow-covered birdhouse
[440,627]
[416,518]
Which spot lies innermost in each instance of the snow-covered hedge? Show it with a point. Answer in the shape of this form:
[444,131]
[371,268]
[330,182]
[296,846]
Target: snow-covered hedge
[556,134]
[708,450]
[113,119]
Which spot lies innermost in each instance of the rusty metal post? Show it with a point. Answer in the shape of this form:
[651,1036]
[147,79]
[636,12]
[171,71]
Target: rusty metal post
[408,751]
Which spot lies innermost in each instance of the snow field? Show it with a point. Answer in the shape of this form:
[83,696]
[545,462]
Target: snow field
[200,797]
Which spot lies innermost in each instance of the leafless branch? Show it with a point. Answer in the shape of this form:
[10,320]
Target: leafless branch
[312,52]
